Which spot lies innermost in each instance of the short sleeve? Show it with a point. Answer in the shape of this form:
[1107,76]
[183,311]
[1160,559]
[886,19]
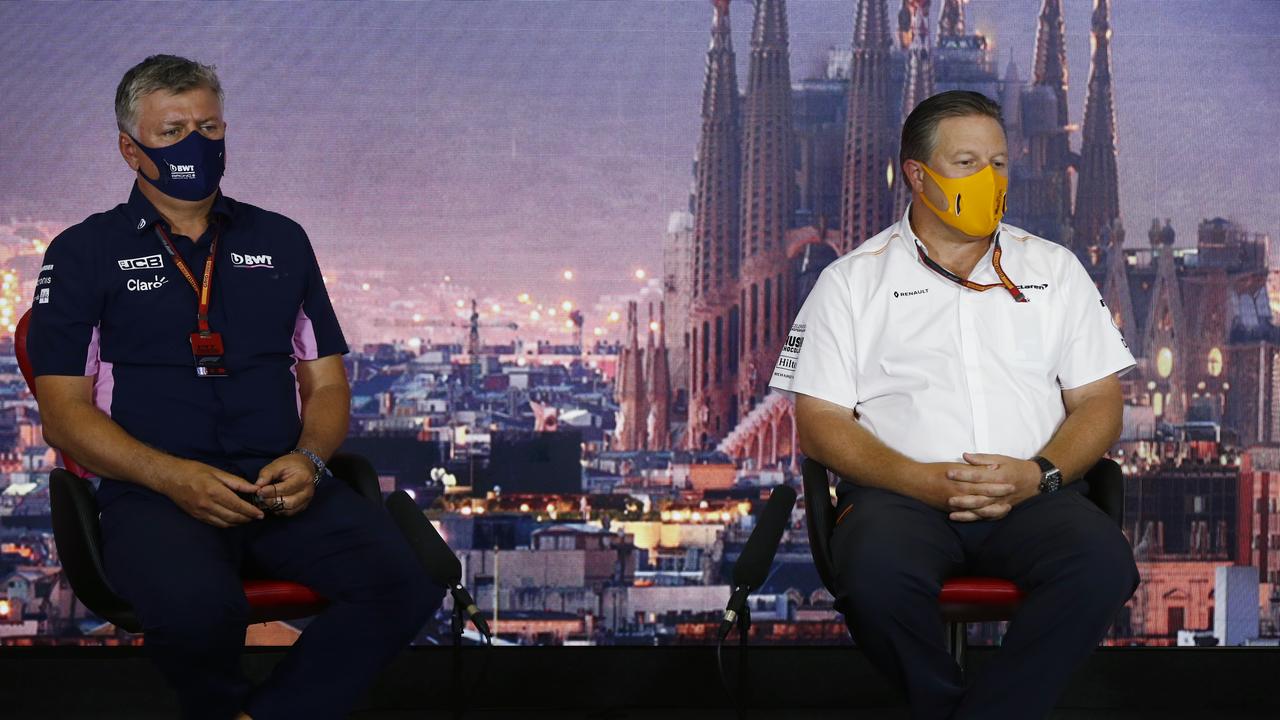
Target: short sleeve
[819,357]
[317,333]
[1093,347]
[62,338]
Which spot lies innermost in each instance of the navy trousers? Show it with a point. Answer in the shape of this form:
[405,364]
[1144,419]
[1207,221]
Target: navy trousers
[892,554]
[183,578]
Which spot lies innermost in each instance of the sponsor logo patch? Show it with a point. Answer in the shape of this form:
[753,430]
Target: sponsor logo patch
[156,282]
[786,366]
[42,296]
[148,262]
[251,261]
[909,293]
[182,172]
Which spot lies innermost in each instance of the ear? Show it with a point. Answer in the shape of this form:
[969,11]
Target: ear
[129,151]
[914,173]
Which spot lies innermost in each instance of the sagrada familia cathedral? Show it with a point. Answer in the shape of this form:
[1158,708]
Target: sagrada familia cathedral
[789,175]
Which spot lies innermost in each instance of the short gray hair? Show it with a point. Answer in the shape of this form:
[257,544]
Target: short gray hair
[160,72]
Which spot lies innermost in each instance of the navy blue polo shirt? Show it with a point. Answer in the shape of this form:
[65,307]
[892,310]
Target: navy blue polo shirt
[111,304]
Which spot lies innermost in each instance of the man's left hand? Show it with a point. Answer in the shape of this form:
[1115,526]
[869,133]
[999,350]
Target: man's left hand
[1024,475]
[286,486]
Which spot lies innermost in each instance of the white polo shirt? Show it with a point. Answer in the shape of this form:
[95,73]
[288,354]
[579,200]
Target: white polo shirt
[934,369]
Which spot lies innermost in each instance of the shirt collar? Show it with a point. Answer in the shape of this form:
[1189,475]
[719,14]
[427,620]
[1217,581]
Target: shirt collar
[911,241]
[144,215]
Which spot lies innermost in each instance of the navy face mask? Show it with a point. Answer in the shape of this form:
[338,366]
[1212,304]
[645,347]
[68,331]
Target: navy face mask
[189,169]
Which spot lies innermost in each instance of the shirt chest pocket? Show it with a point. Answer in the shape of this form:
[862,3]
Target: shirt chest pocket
[1022,334]
[262,306]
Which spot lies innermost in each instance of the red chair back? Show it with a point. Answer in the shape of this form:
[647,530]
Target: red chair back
[24,364]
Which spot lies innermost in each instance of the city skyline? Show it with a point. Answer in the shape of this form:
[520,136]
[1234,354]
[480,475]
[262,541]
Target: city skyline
[506,142]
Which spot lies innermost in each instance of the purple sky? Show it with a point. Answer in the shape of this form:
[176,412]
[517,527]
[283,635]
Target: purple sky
[503,141]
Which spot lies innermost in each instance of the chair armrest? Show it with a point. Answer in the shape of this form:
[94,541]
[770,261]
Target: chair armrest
[1106,488]
[357,472]
[820,519]
[78,536]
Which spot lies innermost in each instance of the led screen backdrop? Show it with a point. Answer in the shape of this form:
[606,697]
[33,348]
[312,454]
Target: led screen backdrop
[565,238]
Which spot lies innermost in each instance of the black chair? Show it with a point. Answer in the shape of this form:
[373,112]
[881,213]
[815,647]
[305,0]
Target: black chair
[78,536]
[963,600]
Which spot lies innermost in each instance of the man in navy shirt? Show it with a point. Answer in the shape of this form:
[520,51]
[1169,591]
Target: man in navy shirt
[186,352]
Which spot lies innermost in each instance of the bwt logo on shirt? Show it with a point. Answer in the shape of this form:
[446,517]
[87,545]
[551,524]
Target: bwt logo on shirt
[251,261]
[182,172]
[150,262]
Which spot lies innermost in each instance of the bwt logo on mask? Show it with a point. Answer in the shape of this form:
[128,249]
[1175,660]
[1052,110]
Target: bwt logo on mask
[182,172]
[251,261]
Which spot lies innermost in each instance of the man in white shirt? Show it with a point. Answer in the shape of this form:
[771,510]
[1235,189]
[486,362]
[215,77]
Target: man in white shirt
[960,374]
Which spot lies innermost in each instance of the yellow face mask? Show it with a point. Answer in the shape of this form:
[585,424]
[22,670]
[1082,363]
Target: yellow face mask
[975,202]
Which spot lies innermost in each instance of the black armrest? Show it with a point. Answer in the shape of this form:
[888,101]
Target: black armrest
[1106,488]
[359,474]
[820,518]
[79,540]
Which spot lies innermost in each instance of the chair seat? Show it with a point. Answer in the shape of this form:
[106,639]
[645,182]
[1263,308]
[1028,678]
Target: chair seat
[281,600]
[978,599]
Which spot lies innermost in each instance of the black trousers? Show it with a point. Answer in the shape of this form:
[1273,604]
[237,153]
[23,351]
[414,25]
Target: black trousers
[183,578]
[892,554]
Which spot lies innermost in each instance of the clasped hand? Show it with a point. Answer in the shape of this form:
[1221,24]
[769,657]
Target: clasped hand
[284,487]
[984,487]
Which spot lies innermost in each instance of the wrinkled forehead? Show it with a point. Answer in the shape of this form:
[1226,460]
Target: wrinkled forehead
[977,134]
[199,103]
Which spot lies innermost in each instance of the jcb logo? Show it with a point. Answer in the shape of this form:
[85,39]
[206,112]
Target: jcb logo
[150,262]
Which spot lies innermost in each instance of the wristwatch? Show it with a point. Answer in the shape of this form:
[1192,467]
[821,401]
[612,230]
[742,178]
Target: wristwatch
[1050,475]
[315,459]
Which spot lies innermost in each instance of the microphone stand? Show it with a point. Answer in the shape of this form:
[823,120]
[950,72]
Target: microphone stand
[740,697]
[456,623]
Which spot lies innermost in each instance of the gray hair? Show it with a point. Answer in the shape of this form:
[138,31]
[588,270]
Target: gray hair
[160,72]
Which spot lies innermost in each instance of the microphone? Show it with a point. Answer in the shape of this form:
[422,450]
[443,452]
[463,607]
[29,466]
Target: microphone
[753,564]
[434,554]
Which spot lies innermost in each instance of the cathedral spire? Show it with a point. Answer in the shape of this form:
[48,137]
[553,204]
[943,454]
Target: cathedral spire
[951,19]
[659,384]
[768,174]
[1097,190]
[870,168]
[1051,55]
[717,214]
[913,37]
[768,204]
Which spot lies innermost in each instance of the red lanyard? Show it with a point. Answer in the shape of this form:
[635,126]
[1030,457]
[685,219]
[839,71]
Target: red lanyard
[1005,282]
[204,289]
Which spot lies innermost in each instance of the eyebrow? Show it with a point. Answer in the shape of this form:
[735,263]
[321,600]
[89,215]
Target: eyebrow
[966,151]
[201,121]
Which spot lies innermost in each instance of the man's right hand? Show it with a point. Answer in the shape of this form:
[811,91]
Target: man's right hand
[986,501]
[209,494]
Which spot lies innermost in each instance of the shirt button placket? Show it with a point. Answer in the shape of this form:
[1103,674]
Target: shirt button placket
[967,303]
